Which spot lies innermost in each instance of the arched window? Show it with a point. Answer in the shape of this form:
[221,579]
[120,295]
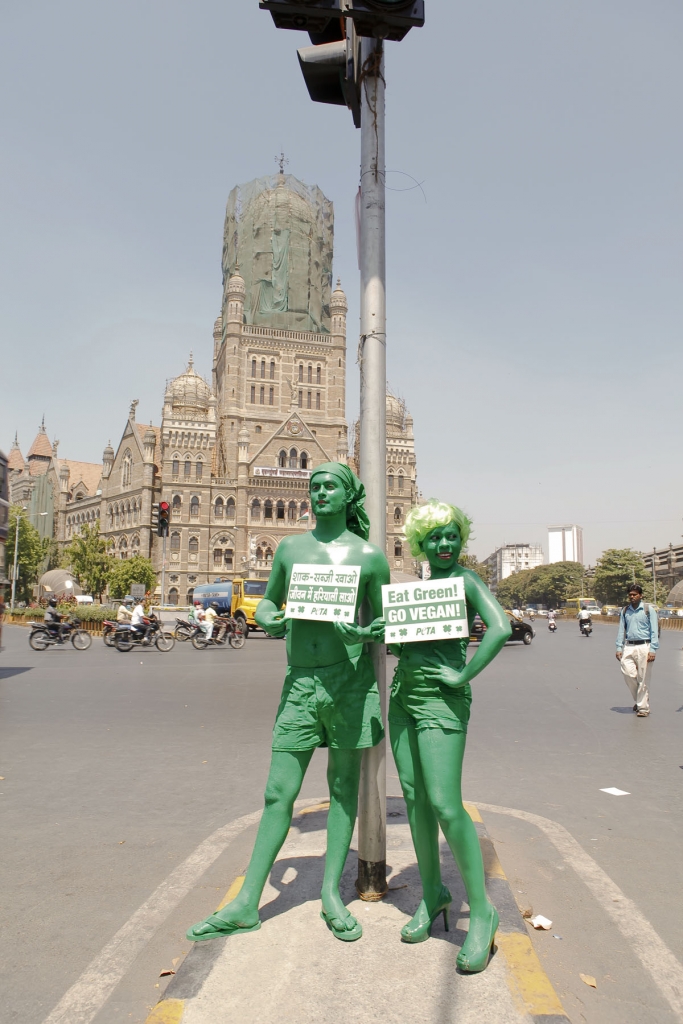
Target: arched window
[317,375]
[267,509]
[176,506]
[175,542]
[301,371]
[173,596]
[218,508]
[228,558]
[398,549]
[293,458]
[271,396]
[190,595]
[291,511]
[317,399]
[304,509]
[390,481]
[263,369]
[176,466]
[301,399]
[282,459]
[308,399]
[194,506]
[398,514]
[230,508]
[123,548]
[253,394]
[217,558]
[272,371]
[135,543]
[110,513]
[281,509]
[188,467]
[400,480]
[262,396]
[255,510]
[126,468]
[303,460]
[259,553]
[136,511]
[269,554]
[193,545]
[198,469]
[253,367]
[128,513]
[310,374]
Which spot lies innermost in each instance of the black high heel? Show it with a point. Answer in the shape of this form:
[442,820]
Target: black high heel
[423,931]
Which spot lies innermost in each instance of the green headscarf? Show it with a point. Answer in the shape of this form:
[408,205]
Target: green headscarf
[356,517]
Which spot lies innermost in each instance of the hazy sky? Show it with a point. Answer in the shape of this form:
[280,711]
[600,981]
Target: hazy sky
[534,299]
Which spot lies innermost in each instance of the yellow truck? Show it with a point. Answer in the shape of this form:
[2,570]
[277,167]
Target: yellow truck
[238,598]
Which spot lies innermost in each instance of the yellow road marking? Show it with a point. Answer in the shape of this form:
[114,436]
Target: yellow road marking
[231,893]
[492,866]
[324,806]
[473,812]
[168,1011]
[530,986]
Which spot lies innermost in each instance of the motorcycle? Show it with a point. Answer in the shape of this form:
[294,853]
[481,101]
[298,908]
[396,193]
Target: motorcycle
[109,627]
[586,627]
[41,637]
[183,630]
[225,629]
[552,625]
[126,637]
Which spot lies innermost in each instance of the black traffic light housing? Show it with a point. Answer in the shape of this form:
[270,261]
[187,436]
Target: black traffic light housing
[307,15]
[385,19]
[331,70]
[164,517]
[155,517]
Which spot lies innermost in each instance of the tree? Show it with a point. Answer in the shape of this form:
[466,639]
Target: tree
[126,571]
[472,562]
[88,560]
[31,552]
[615,570]
[511,592]
[549,585]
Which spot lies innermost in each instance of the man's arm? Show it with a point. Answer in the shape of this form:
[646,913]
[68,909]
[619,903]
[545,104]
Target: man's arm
[268,612]
[654,632]
[621,634]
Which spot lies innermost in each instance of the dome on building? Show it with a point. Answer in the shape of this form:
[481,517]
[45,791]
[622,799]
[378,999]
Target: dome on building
[189,394]
[396,412]
[338,300]
[675,597]
[236,284]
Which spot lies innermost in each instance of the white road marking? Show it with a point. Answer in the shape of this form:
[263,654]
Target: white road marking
[87,996]
[653,953]
[613,791]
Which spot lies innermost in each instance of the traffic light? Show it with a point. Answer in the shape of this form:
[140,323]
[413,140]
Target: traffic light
[385,19]
[155,517]
[164,516]
[331,67]
[310,15]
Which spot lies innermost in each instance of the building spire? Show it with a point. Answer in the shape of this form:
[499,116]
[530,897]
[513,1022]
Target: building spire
[282,161]
[190,362]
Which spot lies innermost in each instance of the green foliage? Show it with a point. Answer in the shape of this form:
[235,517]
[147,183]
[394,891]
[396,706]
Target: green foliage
[86,612]
[615,570]
[482,570]
[131,570]
[546,584]
[31,552]
[88,560]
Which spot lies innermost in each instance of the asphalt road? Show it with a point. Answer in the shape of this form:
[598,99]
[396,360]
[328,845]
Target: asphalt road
[117,766]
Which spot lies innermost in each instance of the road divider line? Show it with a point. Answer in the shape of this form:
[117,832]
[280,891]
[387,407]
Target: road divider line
[89,993]
[653,953]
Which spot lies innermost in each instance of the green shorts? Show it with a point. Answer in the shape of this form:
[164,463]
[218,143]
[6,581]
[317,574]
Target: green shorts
[428,705]
[329,706]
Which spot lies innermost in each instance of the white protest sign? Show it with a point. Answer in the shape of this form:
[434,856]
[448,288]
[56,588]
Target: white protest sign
[325,593]
[426,610]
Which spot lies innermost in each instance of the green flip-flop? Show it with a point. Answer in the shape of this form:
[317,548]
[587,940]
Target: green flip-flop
[338,929]
[219,928]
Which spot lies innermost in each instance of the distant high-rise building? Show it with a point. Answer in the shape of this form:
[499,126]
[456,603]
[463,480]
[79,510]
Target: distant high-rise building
[565,544]
[512,558]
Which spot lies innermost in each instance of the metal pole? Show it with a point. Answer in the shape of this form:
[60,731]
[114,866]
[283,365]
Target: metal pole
[163,568]
[14,567]
[371,883]
[654,576]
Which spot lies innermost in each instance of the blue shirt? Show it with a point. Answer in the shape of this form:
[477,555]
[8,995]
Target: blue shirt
[638,625]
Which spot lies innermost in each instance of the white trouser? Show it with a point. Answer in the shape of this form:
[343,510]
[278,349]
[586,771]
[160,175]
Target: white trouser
[637,673]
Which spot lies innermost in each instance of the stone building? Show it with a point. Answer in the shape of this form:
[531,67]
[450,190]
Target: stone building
[511,558]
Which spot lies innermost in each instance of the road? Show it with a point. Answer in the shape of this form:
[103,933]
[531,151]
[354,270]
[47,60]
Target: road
[116,767]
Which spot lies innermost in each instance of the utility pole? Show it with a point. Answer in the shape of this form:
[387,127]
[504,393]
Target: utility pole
[654,576]
[372,869]
[14,565]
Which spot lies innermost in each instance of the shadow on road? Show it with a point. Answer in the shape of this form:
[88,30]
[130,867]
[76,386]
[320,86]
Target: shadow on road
[623,711]
[5,673]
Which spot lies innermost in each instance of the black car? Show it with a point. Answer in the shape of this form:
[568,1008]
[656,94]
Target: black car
[522,632]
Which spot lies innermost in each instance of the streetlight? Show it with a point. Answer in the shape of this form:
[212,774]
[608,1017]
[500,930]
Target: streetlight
[15,567]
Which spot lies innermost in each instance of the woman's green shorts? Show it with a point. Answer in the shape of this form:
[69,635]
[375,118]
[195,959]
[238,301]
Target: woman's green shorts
[329,706]
[428,705]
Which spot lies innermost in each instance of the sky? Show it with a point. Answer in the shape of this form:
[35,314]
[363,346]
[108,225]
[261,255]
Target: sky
[533,280]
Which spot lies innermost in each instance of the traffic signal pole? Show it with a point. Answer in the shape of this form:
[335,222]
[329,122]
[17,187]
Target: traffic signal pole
[371,883]
[163,569]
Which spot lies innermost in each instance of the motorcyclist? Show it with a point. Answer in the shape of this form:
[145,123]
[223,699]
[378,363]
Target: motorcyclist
[198,616]
[138,623]
[210,616]
[584,618]
[551,620]
[125,612]
[53,620]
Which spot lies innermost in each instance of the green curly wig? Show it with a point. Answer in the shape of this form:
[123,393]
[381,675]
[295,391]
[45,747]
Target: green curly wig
[422,520]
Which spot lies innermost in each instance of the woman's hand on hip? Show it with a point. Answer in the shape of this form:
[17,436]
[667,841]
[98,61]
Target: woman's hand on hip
[444,674]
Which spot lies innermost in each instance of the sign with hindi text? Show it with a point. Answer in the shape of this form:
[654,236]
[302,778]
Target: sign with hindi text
[426,610]
[324,593]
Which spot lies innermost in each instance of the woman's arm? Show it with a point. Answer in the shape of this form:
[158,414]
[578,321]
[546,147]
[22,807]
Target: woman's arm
[498,632]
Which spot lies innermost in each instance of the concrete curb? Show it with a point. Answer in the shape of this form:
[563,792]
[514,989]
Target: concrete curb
[531,989]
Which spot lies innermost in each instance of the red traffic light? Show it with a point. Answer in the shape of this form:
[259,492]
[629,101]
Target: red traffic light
[164,507]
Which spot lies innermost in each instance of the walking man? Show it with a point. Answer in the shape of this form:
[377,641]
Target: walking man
[637,644]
